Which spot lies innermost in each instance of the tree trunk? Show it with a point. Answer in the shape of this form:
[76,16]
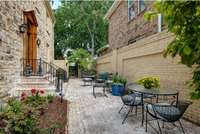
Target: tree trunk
[92,41]
[92,38]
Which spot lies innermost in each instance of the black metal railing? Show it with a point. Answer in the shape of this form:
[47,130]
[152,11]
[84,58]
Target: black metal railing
[50,71]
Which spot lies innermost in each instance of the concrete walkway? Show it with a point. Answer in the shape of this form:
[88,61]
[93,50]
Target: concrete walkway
[88,115]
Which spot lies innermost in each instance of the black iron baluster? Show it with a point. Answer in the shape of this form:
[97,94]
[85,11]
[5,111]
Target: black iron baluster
[33,71]
[40,67]
[61,90]
[23,67]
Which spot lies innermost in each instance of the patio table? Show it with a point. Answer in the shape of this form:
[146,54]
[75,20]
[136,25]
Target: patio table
[156,92]
[88,79]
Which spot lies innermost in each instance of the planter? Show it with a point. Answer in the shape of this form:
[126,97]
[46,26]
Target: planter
[117,89]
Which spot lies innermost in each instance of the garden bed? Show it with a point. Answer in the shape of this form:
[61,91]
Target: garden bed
[55,114]
[34,113]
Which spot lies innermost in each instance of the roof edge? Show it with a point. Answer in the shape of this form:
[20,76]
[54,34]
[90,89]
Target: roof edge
[112,9]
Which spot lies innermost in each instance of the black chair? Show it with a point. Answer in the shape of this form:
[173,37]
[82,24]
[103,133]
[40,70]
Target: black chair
[170,113]
[131,100]
[99,83]
[87,78]
[109,82]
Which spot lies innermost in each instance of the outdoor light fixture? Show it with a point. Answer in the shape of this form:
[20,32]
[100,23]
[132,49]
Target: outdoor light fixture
[22,28]
[47,45]
[38,42]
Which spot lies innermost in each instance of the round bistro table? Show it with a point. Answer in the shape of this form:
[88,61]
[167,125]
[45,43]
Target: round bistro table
[156,92]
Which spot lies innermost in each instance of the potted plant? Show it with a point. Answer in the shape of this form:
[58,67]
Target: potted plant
[149,82]
[118,85]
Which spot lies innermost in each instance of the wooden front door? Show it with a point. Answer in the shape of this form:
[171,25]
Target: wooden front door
[30,47]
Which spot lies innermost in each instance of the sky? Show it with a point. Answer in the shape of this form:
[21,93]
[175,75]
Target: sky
[56,4]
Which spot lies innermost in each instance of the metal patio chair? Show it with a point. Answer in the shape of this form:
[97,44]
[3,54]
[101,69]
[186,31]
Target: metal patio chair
[167,113]
[99,83]
[87,78]
[131,100]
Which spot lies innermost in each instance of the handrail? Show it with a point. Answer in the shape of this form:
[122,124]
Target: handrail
[53,73]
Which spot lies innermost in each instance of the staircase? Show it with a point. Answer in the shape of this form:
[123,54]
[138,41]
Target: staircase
[41,75]
[35,82]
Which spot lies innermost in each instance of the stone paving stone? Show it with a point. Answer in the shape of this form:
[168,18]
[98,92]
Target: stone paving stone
[88,115]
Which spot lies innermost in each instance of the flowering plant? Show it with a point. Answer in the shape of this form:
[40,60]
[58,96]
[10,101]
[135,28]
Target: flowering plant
[36,99]
[23,96]
[150,82]
[33,91]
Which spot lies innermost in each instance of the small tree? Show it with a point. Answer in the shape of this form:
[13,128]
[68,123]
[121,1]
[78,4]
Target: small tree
[183,19]
[84,60]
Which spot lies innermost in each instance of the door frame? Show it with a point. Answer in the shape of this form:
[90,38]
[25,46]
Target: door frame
[29,45]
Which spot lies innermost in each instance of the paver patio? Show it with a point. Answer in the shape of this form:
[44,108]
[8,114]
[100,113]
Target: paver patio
[88,115]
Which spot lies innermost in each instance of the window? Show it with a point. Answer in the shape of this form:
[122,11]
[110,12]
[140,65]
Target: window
[161,25]
[131,10]
[141,6]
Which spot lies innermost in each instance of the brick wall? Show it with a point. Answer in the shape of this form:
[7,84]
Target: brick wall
[145,58]
[11,41]
[104,63]
[121,30]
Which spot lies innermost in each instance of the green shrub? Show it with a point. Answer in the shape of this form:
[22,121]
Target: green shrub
[150,82]
[37,101]
[50,98]
[22,116]
[119,80]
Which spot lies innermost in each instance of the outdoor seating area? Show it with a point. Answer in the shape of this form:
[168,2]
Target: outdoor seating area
[155,104]
[101,115]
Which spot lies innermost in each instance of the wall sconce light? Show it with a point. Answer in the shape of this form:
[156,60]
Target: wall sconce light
[22,28]
[47,45]
[38,42]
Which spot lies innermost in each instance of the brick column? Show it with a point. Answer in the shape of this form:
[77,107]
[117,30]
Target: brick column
[114,61]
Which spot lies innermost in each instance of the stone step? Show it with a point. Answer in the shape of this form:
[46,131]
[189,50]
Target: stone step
[26,84]
[36,79]
[34,83]
[47,90]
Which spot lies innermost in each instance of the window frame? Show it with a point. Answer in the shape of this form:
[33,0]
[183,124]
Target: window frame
[159,23]
[129,7]
[139,8]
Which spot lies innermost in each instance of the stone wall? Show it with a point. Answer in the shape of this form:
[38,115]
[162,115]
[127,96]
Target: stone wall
[145,58]
[122,30]
[11,41]
[62,64]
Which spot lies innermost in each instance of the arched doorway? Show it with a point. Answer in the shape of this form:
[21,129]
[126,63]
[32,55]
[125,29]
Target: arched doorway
[30,48]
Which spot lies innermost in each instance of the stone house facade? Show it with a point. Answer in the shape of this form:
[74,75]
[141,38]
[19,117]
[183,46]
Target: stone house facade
[136,50]
[37,41]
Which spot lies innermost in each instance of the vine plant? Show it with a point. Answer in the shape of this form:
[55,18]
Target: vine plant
[183,19]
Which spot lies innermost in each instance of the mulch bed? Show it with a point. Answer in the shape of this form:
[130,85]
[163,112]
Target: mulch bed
[55,115]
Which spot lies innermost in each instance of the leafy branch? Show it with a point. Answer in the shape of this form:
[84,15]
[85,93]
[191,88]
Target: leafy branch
[183,18]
